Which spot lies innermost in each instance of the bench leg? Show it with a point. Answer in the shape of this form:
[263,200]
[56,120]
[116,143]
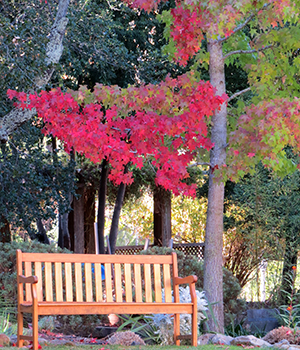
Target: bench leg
[20,330]
[176,329]
[194,328]
[35,330]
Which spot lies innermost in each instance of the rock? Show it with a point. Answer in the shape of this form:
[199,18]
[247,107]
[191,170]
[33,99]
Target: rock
[125,338]
[283,344]
[250,340]
[4,340]
[262,319]
[69,343]
[102,332]
[204,339]
[294,347]
[221,339]
[43,341]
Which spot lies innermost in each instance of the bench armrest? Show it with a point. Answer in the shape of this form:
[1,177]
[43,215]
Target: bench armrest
[29,279]
[185,280]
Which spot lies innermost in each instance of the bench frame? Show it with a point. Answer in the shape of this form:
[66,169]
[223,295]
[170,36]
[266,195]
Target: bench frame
[35,305]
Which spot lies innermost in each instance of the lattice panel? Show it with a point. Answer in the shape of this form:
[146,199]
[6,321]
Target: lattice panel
[195,249]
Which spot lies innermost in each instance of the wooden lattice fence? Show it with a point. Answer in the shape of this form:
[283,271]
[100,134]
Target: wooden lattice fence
[195,249]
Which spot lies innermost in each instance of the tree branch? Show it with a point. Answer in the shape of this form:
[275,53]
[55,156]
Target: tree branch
[243,25]
[238,94]
[247,51]
[198,163]
[16,117]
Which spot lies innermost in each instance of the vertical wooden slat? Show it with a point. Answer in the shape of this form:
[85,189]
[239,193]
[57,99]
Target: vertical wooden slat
[98,282]
[38,273]
[48,281]
[148,287]
[118,283]
[88,282]
[167,283]
[58,282]
[78,282]
[175,274]
[128,285]
[68,281]
[138,283]
[28,272]
[108,286]
[157,283]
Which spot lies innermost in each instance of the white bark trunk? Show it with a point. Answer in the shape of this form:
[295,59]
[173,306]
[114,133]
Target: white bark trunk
[213,260]
[16,117]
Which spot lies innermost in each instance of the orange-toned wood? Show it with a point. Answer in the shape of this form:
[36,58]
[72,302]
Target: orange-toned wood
[176,329]
[28,272]
[38,273]
[167,283]
[68,282]
[58,282]
[48,282]
[148,284]
[138,283]
[100,258]
[128,283]
[143,303]
[20,298]
[78,282]
[103,308]
[98,282]
[35,317]
[157,283]
[118,283]
[108,286]
[88,282]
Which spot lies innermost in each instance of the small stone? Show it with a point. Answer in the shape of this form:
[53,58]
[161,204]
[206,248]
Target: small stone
[4,340]
[221,339]
[204,339]
[69,343]
[283,344]
[250,340]
[43,341]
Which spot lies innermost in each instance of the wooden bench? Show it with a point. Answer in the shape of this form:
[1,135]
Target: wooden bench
[72,284]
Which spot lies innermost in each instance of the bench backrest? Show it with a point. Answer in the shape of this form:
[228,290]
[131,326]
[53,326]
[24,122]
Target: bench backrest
[80,277]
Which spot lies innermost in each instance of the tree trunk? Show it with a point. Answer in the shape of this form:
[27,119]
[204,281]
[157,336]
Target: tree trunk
[114,228]
[16,117]
[288,273]
[213,261]
[64,240]
[101,205]
[42,235]
[162,216]
[89,219]
[5,233]
[79,219]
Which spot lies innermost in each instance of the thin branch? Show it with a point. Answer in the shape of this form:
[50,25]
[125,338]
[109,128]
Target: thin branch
[238,94]
[198,163]
[243,25]
[247,51]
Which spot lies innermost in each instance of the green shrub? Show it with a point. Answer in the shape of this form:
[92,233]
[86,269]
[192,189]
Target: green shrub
[190,265]
[8,275]
[8,291]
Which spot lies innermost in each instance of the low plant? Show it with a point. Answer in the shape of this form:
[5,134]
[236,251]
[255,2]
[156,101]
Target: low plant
[6,327]
[190,265]
[141,325]
[289,315]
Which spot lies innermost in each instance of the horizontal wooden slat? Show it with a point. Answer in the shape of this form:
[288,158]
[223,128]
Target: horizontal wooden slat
[103,308]
[100,258]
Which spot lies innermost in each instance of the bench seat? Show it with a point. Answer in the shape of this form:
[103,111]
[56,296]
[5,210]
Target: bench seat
[88,284]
